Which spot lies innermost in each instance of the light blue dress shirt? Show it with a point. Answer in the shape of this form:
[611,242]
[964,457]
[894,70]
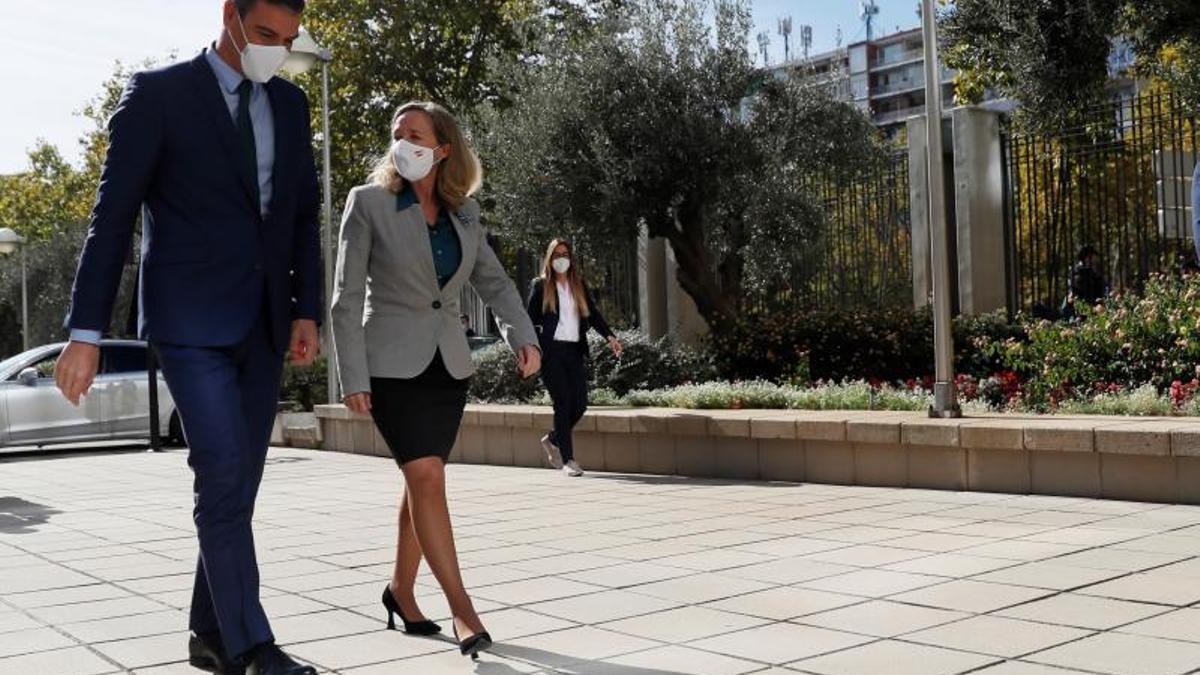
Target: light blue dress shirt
[263,120]
[260,117]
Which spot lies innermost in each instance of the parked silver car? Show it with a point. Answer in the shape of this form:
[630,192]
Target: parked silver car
[34,412]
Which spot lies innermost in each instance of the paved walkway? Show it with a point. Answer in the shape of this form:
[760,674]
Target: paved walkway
[613,575]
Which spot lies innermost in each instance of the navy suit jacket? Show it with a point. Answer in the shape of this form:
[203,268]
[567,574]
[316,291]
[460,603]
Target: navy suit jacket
[209,258]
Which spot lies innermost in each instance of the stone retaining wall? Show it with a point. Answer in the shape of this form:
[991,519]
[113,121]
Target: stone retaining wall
[1143,459]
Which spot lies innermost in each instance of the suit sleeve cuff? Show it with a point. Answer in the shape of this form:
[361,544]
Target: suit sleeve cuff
[91,337]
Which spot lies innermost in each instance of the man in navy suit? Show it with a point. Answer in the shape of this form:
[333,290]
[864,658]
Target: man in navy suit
[215,154]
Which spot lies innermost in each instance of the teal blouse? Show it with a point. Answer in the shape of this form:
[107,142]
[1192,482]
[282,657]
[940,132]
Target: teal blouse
[443,239]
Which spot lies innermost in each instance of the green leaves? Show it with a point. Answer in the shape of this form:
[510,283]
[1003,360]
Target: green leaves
[459,53]
[1052,56]
[651,124]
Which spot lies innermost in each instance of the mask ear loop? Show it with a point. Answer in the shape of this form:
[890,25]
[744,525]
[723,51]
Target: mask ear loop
[245,38]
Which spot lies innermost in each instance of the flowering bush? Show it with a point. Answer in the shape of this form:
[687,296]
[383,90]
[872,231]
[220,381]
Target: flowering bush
[766,395]
[1127,342]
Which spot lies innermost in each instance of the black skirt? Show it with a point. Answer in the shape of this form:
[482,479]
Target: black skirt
[419,416]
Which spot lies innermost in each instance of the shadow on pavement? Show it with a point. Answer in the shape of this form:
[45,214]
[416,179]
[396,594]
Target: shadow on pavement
[18,516]
[287,460]
[552,660]
[50,452]
[684,481]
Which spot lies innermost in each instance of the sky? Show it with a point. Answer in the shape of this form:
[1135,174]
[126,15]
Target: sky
[54,54]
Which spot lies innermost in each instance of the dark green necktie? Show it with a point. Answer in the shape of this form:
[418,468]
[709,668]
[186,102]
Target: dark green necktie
[246,136]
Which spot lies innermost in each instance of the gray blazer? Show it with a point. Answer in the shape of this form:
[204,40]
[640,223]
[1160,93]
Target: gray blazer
[389,317]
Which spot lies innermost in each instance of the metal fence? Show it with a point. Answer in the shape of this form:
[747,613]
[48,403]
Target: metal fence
[863,256]
[1119,182]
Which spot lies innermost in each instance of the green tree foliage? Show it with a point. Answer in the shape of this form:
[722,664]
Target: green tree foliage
[650,123]
[50,204]
[452,52]
[1168,31]
[1052,55]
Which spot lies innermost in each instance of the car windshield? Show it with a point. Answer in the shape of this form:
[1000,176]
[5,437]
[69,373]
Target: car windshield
[11,362]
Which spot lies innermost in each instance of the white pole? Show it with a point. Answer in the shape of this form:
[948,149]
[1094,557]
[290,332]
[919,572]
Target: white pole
[945,399]
[327,235]
[24,302]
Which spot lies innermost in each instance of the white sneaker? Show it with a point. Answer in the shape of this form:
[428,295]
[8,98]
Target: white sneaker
[552,452]
[572,469]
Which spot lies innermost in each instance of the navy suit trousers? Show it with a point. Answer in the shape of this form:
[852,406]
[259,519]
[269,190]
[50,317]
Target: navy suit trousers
[226,398]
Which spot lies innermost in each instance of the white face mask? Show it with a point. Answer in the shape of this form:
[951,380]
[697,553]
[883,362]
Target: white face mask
[260,62]
[413,161]
[561,265]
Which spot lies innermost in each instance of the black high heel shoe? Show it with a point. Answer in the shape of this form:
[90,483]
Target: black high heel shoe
[425,627]
[473,645]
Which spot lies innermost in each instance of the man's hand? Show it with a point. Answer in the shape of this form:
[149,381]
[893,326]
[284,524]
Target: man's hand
[76,369]
[305,344]
[529,361]
[359,403]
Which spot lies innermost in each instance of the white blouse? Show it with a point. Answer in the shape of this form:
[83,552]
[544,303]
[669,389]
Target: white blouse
[568,315]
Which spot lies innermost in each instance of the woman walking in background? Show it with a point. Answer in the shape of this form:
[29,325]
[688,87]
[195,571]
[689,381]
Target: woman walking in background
[562,311]
[410,241]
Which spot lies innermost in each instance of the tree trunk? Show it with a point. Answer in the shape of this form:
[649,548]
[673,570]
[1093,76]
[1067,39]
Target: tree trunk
[716,303]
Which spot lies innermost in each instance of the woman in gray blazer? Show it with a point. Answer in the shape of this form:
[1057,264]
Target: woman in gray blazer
[410,240]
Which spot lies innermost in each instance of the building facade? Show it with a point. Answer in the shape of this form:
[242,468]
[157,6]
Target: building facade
[885,77]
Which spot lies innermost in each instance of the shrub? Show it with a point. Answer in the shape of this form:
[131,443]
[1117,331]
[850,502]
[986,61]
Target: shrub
[645,364]
[496,379]
[834,345]
[304,387]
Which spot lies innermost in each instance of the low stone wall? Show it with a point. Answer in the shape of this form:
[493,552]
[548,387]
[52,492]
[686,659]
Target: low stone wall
[1143,459]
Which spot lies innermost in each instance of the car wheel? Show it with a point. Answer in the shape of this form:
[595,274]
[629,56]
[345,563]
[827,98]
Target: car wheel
[174,437]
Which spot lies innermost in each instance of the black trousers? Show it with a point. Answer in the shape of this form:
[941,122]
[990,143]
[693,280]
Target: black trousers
[566,379]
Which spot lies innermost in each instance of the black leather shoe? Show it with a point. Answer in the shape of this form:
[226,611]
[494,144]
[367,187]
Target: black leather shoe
[269,659]
[206,652]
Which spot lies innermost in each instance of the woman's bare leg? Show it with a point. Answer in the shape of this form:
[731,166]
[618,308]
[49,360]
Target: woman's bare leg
[408,562]
[426,480]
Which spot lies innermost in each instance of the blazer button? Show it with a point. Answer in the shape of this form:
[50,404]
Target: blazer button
[258,267]
[437,304]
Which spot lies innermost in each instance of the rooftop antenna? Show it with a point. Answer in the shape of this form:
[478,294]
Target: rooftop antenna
[838,39]
[869,10]
[806,39]
[764,41]
[785,29]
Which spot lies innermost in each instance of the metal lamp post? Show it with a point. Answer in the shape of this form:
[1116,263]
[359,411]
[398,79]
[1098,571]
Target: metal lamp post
[10,241]
[304,55]
[945,398]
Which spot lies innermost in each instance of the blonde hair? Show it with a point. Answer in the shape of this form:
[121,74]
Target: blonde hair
[459,175]
[574,280]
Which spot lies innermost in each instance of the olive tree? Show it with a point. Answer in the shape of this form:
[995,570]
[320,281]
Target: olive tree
[660,121]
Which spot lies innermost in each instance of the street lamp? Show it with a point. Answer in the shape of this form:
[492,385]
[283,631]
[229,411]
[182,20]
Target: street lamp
[304,55]
[10,241]
[945,399]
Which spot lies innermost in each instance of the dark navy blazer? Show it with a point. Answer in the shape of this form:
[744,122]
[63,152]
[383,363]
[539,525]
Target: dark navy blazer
[209,257]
